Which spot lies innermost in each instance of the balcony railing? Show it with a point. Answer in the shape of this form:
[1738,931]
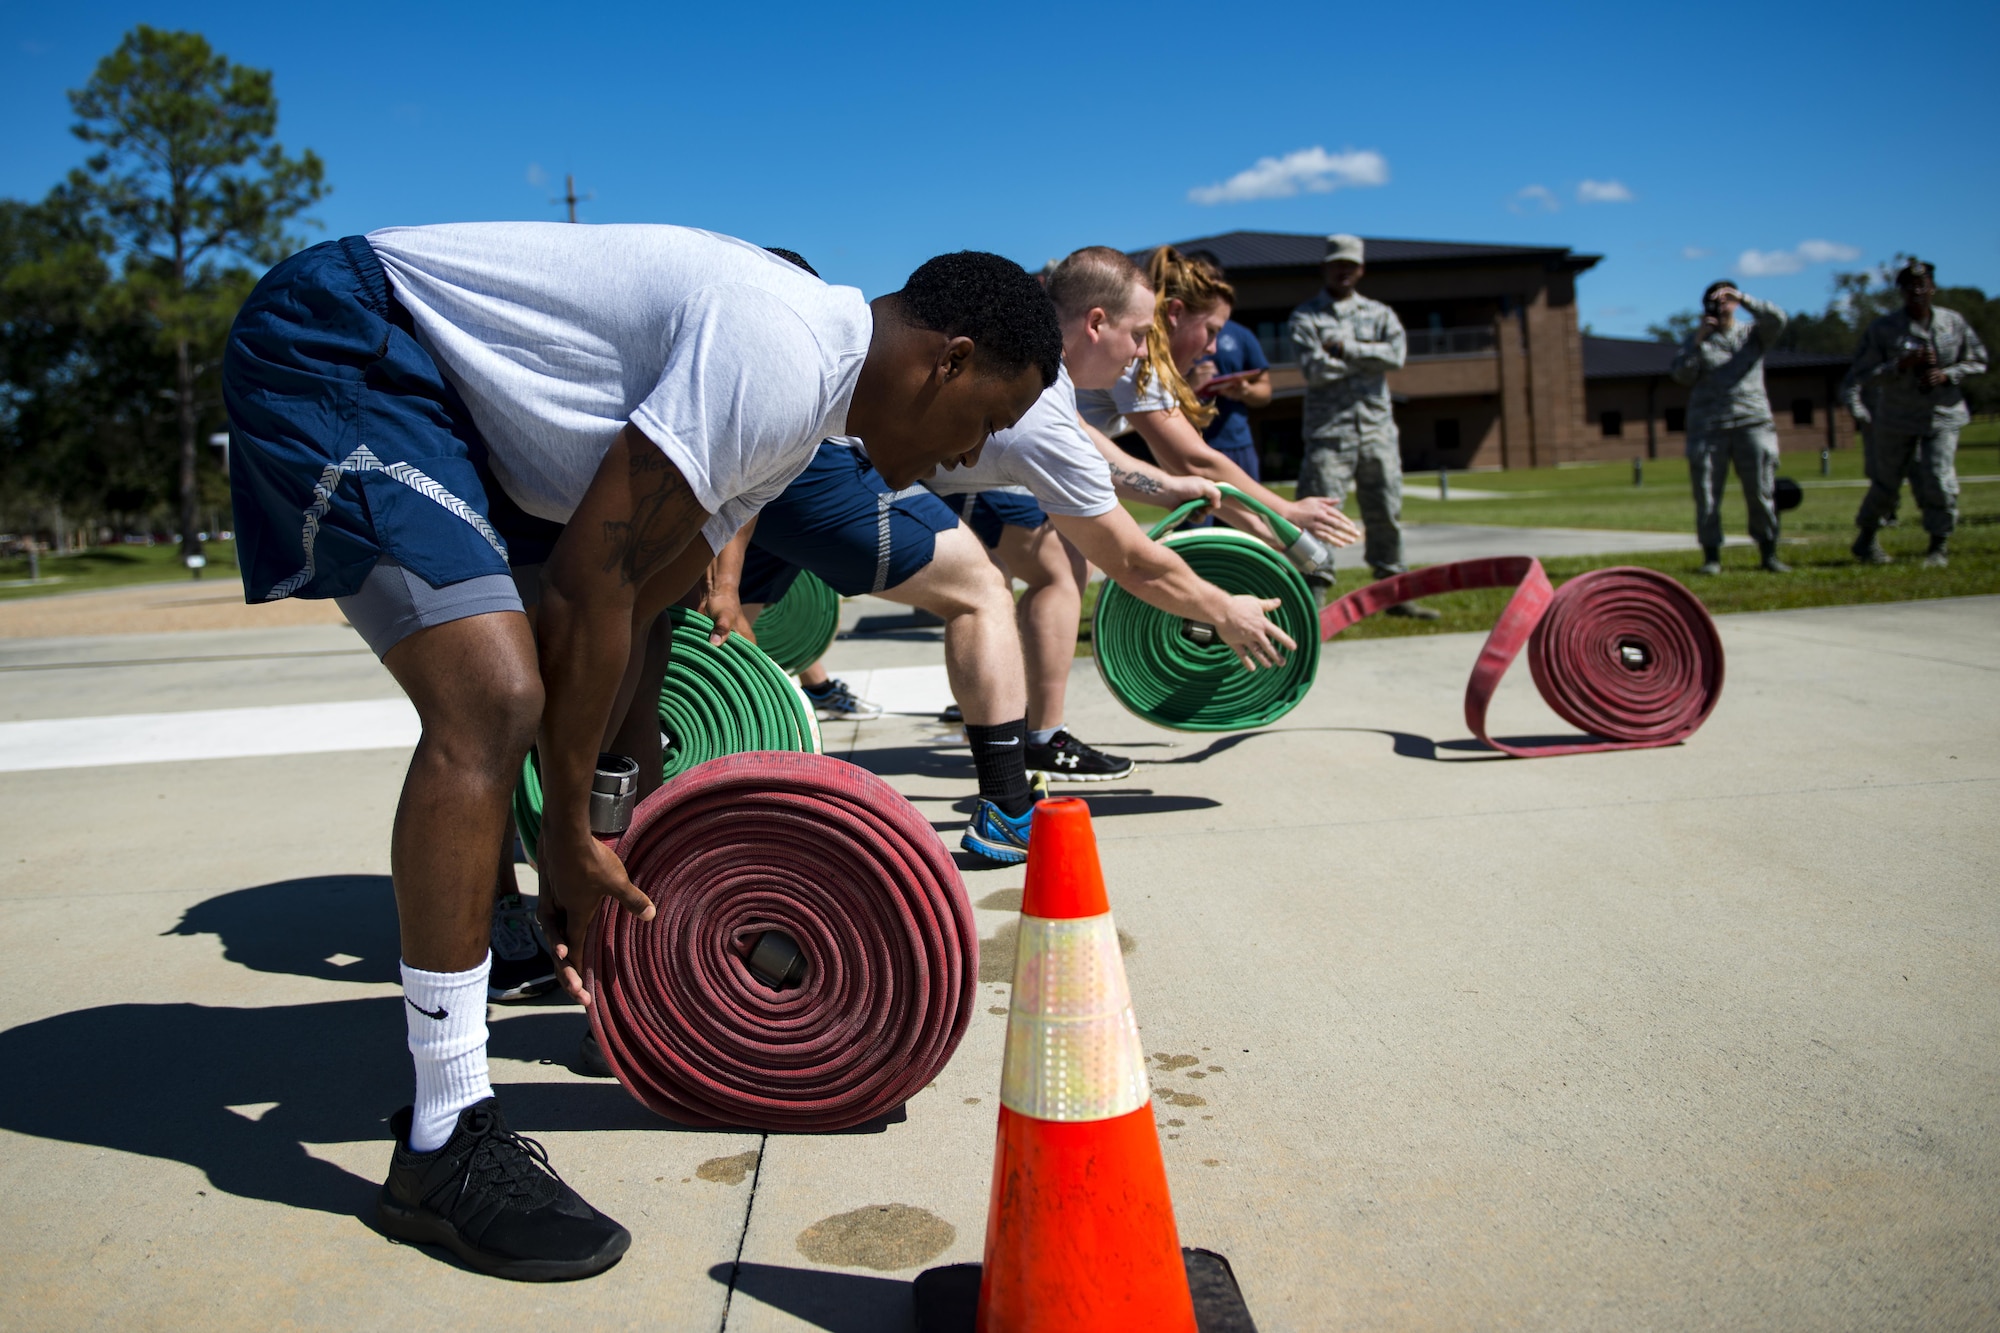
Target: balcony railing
[1476,340]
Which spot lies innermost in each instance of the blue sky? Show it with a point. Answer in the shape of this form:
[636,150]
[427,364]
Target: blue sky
[1770,143]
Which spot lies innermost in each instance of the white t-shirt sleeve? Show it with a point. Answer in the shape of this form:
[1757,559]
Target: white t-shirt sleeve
[1063,470]
[1155,397]
[740,403]
[1106,408]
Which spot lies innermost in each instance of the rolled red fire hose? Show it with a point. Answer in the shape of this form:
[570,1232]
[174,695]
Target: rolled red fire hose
[830,858]
[1626,654]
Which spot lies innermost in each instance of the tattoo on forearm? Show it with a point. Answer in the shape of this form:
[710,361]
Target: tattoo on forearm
[663,510]
[1135,480]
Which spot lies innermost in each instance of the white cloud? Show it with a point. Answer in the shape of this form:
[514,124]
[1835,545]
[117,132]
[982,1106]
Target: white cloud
[1695,252]
[1768,263]
[1533,199]
[1777,263]
[1827,252]
[1604,192]
[536,176]
[1313,170]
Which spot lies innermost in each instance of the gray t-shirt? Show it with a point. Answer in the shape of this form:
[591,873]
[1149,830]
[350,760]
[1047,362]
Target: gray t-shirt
[1106,408]
[1046,454]
[733,361]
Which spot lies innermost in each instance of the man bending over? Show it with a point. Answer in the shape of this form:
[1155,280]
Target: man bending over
[1076,476]
[650,387]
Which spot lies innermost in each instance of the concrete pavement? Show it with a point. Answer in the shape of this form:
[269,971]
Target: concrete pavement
[1693,1038]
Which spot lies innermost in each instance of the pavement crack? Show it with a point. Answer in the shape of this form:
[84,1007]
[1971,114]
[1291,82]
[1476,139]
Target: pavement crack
[743,1236]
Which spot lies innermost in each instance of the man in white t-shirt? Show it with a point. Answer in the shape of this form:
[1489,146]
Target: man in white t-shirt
[1076,475]
[397,401]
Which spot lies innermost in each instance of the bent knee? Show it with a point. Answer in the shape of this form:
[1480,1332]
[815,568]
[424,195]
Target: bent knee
[489,723]
[963,580]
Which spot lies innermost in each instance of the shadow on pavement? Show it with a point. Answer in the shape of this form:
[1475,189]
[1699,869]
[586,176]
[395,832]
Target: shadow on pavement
[1408,745]
[952,761]
[301,926]
[1109,804]
[837,1302]
[160,1080]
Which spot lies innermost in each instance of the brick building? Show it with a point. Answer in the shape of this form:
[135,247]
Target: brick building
[1499,373]
[1636,410]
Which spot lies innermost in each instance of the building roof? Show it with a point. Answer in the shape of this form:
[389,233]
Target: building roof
[1236,250]
[1635,358]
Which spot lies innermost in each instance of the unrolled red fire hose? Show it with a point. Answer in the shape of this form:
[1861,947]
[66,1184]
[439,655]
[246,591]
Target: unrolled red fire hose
[827,857]
[1626,654]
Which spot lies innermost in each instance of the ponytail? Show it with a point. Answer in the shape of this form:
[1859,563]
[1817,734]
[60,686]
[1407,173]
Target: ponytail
[1199,287]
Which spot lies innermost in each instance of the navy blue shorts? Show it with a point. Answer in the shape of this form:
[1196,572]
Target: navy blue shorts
[347,444]
[842,521]
[1243,455]
[986,512]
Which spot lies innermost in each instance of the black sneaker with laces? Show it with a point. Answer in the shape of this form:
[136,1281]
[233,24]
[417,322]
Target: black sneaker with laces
[489,1196]
[1067,759]
[835,702]
[522,968]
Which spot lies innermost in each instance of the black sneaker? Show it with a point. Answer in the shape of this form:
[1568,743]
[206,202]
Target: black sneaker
[835,702]
[490,1197]
[522,968]
[1067,759]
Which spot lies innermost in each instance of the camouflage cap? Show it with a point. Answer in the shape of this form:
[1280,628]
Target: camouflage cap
[1342,246]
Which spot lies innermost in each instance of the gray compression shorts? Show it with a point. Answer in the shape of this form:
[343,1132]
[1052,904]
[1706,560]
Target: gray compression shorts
[393,603]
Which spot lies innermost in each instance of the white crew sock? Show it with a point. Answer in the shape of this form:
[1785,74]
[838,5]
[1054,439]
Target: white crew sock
[446,1012]
[1044,736]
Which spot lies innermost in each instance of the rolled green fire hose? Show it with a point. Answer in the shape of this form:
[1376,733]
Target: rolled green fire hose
[798,628]
[1178,673]
[714,701]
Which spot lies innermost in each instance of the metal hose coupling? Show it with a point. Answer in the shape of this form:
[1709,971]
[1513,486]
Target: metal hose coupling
[1312,558]
[613,790]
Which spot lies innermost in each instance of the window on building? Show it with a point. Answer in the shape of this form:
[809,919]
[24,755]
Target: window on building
[1802,411]
[1677,420]
[1612,423]
[1446,438]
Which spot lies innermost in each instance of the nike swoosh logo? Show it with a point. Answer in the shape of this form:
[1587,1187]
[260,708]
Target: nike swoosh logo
[442,1013]
[1001,745]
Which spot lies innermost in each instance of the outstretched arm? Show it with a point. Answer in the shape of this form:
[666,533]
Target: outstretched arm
[1179,448]
[633,546]
[1139,481]
[1158,576]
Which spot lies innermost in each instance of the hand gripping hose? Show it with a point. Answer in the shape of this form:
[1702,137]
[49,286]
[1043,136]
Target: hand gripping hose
[1179,673]
[1626,654]
[798,628]
[835,861]
[713,701]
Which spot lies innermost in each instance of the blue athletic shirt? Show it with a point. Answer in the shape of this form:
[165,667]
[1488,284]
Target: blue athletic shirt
[1236,349]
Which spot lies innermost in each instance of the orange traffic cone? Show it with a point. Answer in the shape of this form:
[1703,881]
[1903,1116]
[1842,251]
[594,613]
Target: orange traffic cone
[1080,1234]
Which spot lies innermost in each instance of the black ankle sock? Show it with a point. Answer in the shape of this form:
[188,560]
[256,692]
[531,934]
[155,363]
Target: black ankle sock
[1001,756]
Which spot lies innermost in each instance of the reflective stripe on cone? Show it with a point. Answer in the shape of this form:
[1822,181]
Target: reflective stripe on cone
[1080,1233]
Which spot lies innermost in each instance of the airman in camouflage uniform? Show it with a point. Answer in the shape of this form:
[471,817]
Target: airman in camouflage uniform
[1915,358]
[1346,345]
[1729,419]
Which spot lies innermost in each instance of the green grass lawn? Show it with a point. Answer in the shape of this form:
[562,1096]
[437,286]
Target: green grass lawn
[1817,533]
[111,566]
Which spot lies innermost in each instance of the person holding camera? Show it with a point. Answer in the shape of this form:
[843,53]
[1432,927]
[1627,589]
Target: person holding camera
[1911,363]
[1729,419]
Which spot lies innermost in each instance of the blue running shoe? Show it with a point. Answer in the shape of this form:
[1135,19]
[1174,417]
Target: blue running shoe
[997,837]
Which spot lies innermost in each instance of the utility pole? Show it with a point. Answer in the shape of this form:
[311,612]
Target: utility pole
[570,196]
